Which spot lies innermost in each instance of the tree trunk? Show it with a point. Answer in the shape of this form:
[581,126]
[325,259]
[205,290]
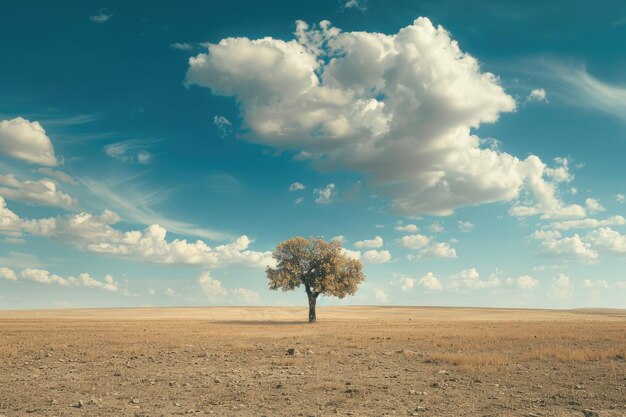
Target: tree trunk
[312,302]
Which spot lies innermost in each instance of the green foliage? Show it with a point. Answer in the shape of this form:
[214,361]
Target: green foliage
[318,265]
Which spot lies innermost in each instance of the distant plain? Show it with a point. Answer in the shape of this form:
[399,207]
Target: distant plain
[359,361]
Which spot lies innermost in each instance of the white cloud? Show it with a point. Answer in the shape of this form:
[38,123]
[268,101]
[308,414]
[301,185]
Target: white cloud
[355,4]
[144,157]
[296,186]
[59,175]
[546,234]
[561,287]
[406,283]
[411,228]
[538,95]
[10,223]
[169,293]
[470,278]
[108,284]
[26,140]
[620,198]
[561,173]
[41,192]
[377,242]
[398,109]
[224,126]
[436,227]
[132,150]
[431,282]
[608,240]
[598,283]
[376,256]
[381,295]
[339,238]
[299,200]
[438,250]
[467,278]
[212,288]
[101,17]
[587,223]
[593,205]
[353,254]
[97,234]
[42,276]
[526,282]
[492,282]
[541,194]
[569,247]
[465,226]
[181,46]
[7,273]
[325,195]
[413,241]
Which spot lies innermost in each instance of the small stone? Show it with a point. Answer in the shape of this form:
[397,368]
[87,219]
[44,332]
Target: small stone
[590,413]
[293,352]
[78,404]
[134,401]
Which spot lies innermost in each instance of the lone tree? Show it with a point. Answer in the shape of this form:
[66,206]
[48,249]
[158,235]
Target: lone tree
[318,265]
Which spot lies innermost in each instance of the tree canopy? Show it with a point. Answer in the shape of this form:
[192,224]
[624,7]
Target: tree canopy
[318,265]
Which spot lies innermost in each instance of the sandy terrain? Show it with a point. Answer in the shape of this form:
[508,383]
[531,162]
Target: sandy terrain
[359,361]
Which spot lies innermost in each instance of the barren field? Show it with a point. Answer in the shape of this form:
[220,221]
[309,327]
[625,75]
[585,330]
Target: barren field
[358,361]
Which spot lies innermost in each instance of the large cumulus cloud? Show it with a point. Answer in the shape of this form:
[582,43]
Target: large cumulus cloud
[26,140]
[399,109]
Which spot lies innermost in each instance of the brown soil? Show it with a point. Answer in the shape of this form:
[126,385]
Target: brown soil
[359,361]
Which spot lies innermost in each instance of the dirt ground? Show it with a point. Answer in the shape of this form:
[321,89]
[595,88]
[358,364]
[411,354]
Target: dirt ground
[357,361]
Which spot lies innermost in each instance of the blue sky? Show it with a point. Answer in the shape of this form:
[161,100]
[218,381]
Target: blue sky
[468,154]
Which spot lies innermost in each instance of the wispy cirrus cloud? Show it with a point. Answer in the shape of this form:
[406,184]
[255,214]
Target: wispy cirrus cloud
[134,204]
[581,89]
[132,150]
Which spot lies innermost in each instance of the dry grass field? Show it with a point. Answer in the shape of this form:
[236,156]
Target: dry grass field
[358,361]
